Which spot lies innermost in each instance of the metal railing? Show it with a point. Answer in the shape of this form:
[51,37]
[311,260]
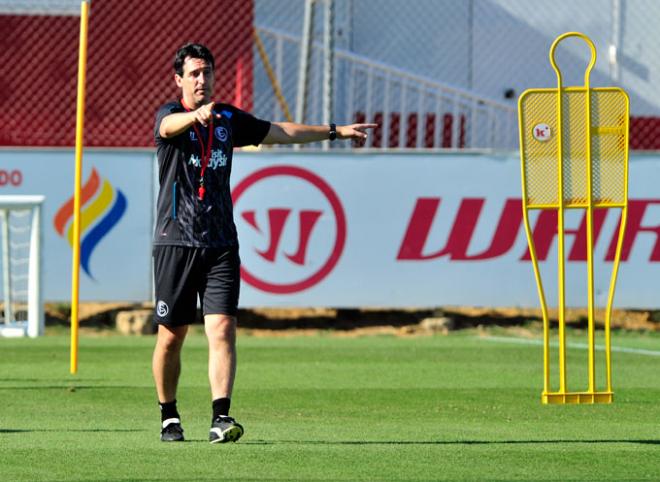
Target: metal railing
[413,111]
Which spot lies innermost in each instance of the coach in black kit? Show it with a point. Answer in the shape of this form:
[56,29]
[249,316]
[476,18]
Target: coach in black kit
[195,242]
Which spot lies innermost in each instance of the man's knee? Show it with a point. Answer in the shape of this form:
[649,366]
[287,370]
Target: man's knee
[171,338]
[220,328]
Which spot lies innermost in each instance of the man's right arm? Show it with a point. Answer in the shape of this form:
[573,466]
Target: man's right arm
[174,124]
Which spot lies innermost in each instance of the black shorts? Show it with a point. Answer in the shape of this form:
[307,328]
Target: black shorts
[181,274]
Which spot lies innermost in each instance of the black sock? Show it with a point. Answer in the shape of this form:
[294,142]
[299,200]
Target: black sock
[221,407]
[168,410]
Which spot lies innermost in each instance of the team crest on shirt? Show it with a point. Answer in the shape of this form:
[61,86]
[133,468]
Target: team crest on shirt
[193,137]
[221,134]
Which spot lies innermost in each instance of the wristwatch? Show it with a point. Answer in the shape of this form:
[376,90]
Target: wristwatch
[333,132]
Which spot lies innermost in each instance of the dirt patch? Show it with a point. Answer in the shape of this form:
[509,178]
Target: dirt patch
[91,315]
[402,322]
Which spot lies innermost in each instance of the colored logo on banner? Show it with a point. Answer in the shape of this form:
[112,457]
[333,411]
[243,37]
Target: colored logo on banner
[101,208]
[298,235]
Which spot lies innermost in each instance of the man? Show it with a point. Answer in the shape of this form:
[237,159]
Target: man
[195,242]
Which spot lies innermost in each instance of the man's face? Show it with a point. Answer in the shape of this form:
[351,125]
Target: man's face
[197,81]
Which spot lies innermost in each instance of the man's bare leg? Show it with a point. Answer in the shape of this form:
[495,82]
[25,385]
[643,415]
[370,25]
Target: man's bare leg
[167,361]
[221,335]
[166,366]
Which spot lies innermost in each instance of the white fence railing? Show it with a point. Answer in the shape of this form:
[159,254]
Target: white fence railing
[412,111]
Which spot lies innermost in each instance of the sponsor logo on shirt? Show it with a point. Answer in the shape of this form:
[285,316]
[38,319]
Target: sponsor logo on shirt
[218,159]
[195,160]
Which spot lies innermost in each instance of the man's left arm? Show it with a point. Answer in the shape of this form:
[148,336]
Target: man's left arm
[292,133]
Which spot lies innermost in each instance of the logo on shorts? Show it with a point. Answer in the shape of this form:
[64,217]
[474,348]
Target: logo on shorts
[162,309]
[221,134]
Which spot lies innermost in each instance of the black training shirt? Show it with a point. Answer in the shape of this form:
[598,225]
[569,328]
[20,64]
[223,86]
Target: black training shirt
[182,218]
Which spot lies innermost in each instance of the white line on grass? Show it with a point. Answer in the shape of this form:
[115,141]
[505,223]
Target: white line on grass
[527,341]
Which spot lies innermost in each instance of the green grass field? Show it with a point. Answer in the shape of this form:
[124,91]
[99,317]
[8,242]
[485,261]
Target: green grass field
[326,408]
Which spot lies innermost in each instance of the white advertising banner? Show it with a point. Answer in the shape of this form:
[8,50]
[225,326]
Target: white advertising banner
[414,230]
[116,219]
[342,230]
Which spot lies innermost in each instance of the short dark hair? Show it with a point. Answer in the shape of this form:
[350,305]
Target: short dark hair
[194,51]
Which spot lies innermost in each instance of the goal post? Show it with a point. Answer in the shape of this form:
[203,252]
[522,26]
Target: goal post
[23,312]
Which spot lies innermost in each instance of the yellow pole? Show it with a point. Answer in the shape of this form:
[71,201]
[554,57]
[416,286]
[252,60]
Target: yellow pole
[561,308]
[617,260]
[590,229]
[535,264]
[541,293]
[80,116]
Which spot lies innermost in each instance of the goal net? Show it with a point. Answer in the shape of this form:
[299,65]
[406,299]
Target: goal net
[20,225]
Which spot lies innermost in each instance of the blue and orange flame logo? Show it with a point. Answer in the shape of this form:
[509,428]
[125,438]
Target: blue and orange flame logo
[102,206]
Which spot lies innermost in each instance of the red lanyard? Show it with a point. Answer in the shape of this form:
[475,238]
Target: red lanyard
[206,153]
